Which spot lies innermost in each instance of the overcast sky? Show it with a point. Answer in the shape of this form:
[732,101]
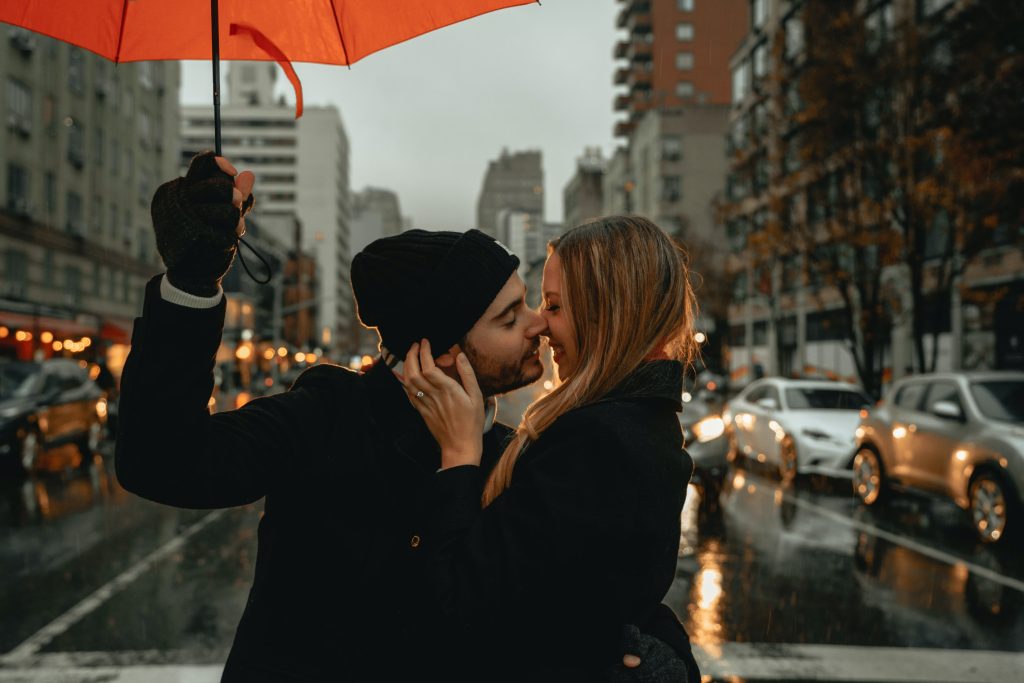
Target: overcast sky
[424,117]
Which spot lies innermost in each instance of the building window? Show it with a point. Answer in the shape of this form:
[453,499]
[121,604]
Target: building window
[17,189]
[684,61]
[684,31]
[97,215]
[48,268]
[72,285]
[112,284]
[115,157]
[114,213]
[684,89]
[684,5]
[671,148]
[794,29]
[50,192]
[96,270]
[74,211]
[740,82]
[126,232]
[878,27]
[19,107]
[145,72]
[760,61]
[671,188]
[76,144]
[98,145]
[16,274]
[76,70]
[145,129]
[758,13]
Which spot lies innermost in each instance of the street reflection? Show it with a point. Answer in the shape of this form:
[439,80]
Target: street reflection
[806,564]
[49,496]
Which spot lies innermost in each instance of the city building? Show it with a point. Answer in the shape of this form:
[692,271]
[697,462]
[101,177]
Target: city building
[513,181]
[376,213]
[678,163]
[676,53]
[302,170]
[786,317]
[583,196]
[83,147]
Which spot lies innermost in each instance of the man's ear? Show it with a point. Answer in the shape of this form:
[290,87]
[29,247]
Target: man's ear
[447,359]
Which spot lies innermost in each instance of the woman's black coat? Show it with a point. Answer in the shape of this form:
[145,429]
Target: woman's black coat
[585,538]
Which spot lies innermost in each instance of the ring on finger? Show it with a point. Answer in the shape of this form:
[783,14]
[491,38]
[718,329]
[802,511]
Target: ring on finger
[420,394]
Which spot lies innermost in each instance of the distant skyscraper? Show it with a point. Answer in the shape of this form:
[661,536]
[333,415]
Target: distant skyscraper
[677,53]
[513,181]
[582,196]
[302,169]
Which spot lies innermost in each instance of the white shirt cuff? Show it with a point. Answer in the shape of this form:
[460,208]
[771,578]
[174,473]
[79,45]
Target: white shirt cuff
[174,295]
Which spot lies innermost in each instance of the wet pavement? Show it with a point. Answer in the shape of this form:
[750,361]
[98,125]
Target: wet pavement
[795,583]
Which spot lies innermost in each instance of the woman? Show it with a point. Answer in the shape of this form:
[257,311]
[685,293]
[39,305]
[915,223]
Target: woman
[576,529]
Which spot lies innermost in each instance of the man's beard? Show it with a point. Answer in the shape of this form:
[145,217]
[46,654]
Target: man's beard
[497,377]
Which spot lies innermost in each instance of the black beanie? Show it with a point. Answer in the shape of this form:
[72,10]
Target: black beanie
[428,284]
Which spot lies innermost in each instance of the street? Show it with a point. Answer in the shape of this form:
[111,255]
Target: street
[796,584]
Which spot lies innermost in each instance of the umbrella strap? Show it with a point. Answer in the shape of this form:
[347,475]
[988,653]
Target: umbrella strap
[239,241]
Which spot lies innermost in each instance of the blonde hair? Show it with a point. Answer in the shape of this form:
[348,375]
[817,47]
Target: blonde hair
[627,294]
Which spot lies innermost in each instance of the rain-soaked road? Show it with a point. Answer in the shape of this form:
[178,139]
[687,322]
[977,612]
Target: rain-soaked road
[797,584]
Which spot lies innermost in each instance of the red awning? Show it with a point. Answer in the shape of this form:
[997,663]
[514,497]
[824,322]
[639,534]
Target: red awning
[59,327]
[114,334]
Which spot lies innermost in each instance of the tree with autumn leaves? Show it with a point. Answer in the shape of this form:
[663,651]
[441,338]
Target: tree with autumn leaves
[897,157]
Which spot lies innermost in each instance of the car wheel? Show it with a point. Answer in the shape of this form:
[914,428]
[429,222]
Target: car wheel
[868,477]
[29,450]
[989,507]
[787,461]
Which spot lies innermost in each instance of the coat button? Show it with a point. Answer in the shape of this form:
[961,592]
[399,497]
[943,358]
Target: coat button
[414,542]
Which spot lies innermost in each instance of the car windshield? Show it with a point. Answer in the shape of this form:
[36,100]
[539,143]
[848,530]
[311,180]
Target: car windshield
[825,399]
[17,379]
[1000,399]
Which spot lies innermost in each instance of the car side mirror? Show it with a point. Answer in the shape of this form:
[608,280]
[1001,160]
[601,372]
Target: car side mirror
[768,403]
[947,410]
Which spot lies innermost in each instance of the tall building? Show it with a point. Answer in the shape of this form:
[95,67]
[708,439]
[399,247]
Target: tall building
[379,207]
[376,213]
[676,53]
[678,164]
[513,181]
[676,102]
[302,169]
[785,314]
[85,145]
[582,198]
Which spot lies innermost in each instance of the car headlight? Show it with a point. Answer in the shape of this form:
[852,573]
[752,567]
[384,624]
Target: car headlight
[708,429]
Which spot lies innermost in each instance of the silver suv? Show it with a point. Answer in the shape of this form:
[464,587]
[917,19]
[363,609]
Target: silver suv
[957,435]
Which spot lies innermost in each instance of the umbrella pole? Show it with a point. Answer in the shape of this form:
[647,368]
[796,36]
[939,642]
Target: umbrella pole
[216,74]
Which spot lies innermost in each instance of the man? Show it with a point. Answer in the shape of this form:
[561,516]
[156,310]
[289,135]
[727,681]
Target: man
[342,458]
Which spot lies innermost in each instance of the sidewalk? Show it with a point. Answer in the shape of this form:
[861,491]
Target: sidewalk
[733,662]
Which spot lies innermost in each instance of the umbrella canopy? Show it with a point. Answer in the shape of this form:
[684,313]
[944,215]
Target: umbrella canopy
[318,31]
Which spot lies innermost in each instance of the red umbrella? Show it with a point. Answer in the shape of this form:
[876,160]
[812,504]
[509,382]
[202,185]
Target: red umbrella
[318,31]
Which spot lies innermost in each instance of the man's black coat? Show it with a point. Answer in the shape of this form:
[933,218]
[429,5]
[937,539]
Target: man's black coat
[342,460]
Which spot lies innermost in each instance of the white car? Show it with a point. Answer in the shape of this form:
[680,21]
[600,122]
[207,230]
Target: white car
[801,426]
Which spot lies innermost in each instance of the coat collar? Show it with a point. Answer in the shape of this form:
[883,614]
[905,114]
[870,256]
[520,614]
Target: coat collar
[394,415]
[391,411]
[659,380]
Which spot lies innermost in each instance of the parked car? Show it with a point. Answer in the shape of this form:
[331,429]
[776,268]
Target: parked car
[51,415]
[957,435]
[704,436]
[800,426]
